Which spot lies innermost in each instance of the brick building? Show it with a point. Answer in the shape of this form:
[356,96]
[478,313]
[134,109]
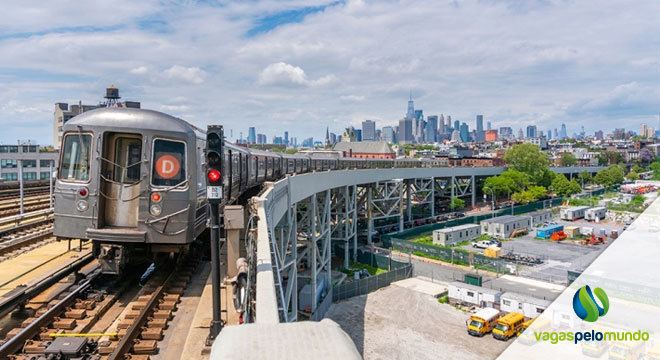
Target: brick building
[365,149]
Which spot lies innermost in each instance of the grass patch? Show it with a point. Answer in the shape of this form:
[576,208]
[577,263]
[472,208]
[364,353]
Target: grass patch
[428,240]
[443,299]
[357,266]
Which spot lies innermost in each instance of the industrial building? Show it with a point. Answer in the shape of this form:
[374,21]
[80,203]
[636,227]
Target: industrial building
[529,306]
[28,160]
[503,226]
[595,213]
[573,212]
[462,293]
[456,234]
[539,217]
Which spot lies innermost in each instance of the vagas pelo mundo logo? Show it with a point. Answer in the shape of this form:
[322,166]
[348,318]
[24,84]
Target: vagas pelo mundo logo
[587,309]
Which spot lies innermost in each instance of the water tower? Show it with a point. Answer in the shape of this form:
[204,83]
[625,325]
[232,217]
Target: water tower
[112,96]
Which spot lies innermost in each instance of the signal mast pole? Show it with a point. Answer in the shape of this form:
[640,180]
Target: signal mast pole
[214,160]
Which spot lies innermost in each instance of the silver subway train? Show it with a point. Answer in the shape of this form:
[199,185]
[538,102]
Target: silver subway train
[133,181]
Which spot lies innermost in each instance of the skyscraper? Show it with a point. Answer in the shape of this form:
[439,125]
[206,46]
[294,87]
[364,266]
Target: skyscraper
[520,133]
[405,135]
[252,135]
[556,134]
[531,131]
[465,132]
[448,123]
[418,126]
[388,134]
[598,135]
[549,134]
[457,125]
[480,135]
[368,130]
[488,125]
[410,114]
[562,132]
[506,132]
[431,128]
[286,138]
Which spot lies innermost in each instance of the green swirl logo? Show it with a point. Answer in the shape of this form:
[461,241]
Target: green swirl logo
[585,305]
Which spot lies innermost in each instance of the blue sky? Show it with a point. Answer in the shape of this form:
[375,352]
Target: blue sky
[303,65]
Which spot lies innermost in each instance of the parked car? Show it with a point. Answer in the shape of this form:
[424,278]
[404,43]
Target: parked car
[482,244]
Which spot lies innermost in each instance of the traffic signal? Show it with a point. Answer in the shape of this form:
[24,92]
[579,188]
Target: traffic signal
[214,141]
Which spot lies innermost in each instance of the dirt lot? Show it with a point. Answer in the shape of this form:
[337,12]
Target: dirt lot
[399,323]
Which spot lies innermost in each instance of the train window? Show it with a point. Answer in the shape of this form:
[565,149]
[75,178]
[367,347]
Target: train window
[76,157]
[169,162]
[127,155]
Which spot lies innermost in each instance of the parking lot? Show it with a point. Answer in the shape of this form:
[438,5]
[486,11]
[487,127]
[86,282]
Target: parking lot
[557,257]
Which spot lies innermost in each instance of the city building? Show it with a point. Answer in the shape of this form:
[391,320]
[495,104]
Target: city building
[456,136]
[562,133]
[506,132]
[620,134]
[488,125]
[520,133]
[465,132]
[368,130]
[388,134]
[474,161]
[405,135]
[598,135]
[261,139]
[358,134]
[365,149]
[286,138]
[480,134]
[252,135]
[531,131]
[349,135]
[431,129]
[549,134]
[538,141]
[491,135]
[64,112]
[34,163]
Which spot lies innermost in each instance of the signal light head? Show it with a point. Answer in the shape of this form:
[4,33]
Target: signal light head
[214,175]
[82,192]
[155,197]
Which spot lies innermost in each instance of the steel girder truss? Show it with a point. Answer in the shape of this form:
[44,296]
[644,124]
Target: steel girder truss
[314,243]
[343,214]
[447,188]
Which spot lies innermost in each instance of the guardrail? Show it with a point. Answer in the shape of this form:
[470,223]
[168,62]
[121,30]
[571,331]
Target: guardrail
[16,221]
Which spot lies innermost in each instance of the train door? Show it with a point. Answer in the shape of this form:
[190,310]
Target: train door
[121,179]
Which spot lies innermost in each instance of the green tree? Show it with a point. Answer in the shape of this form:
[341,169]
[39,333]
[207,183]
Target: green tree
[457,203]
[499,185]
[568,159]
[562,187]
[638,169]
[655,167]
[528,159]
[538,192]
[585,177]
[609,158]
[632,176]
[523,197]
[611,176]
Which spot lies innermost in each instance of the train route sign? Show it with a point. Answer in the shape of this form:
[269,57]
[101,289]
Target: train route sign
[167,166]
[214,192]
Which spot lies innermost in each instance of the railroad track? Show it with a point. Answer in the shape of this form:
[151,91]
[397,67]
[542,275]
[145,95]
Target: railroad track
[133,334]
[26,193]
[12,207]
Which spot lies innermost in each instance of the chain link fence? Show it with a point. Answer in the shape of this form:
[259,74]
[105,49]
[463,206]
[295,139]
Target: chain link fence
[371,283]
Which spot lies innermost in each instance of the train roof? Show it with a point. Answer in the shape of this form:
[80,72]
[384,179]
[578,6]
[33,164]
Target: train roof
[129,118]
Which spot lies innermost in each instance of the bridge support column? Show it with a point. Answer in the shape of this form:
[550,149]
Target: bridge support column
[344,220]
[474,193]
[408,201]
[420,193]
[315,229]
[285,259]
[370,213]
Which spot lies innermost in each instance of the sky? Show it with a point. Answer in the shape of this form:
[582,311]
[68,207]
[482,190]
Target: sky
[302,66]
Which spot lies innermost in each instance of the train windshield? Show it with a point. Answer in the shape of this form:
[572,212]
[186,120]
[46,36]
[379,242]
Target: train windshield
[76,157]
[169,166]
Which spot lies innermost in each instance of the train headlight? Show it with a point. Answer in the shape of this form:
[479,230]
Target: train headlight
[83,192]
[155,210]
[156,197]
[82,205]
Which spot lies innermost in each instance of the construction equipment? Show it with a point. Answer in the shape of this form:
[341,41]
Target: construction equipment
[558,236]
[594,240]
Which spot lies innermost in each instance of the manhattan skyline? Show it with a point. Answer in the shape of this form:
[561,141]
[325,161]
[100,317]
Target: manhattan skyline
[302,66]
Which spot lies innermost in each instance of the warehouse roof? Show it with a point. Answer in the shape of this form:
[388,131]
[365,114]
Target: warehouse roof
[474,287]
[457,228]
[526,299]
[503,219]
[364,147]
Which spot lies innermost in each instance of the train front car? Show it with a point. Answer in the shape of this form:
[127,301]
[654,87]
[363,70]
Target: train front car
[130,180]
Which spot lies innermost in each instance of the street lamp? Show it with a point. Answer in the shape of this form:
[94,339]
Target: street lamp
[493,200]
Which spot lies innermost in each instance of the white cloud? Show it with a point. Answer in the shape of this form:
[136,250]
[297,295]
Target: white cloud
[192,75]
[284,74]
[352,98]
[140,70]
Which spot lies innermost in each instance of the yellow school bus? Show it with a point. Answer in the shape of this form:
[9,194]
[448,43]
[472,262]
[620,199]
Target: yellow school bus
[540,324]
[508,326]
[482,322]
[627,350]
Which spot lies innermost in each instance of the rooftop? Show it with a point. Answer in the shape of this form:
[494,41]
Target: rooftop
[502,219]
[370,147]
[456,228]
[474,287]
